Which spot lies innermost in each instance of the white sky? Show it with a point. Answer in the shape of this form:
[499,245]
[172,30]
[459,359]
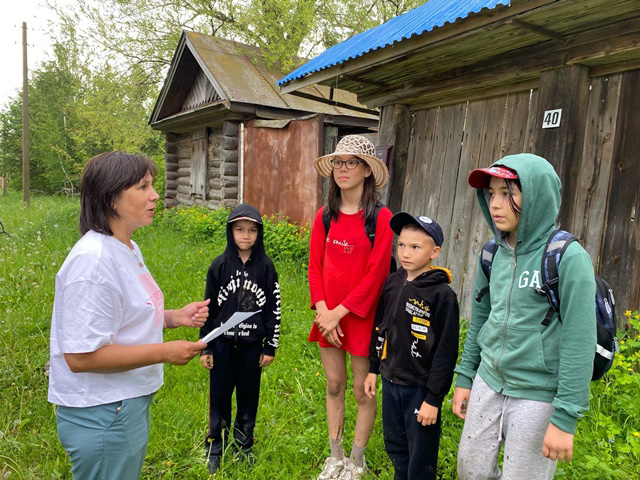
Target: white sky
[14,12]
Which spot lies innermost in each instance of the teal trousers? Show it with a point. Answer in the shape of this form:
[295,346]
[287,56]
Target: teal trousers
[106,441]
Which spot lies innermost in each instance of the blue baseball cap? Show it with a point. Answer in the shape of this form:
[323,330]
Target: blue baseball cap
[402,219]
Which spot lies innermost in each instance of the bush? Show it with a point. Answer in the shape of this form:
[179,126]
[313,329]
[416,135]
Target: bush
[611,428]
[284,241]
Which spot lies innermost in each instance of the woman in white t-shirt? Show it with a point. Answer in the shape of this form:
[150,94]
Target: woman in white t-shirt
[106,329]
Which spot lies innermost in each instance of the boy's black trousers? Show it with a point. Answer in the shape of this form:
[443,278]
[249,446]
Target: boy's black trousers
[234,366]
[412,448]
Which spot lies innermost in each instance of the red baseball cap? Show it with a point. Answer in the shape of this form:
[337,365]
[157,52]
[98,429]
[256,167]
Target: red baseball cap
[481,177]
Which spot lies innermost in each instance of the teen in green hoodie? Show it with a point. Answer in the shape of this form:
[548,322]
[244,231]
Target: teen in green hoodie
[530,382]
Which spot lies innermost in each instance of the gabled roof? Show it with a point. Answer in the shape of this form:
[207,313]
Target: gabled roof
[207,72]
[427,17]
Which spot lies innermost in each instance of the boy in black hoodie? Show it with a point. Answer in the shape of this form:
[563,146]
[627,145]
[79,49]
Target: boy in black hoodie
[414,347]
[242,279]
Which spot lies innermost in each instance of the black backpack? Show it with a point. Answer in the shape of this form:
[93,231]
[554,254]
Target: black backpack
[559,240]
[369,228]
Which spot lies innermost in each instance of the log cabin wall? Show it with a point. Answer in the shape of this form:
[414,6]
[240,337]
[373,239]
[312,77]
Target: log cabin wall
[202,167]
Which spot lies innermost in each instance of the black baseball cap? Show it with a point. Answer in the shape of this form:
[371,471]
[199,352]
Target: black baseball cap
[402,219]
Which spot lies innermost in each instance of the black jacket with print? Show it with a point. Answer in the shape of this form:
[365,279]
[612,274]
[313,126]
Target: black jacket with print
[234,286]
[416,329]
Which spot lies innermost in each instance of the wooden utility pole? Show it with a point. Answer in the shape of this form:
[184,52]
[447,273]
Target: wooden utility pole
[26,180]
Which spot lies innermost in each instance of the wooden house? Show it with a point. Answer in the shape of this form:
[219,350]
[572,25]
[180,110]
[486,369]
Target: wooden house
[461,84]
[231,136]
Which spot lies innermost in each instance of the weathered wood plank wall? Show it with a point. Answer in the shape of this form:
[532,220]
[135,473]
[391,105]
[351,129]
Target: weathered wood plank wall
[447,144]
[589,217]
[600,204]
[619,260]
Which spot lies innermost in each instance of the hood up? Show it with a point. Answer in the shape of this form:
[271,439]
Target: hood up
[541,199]
[245,212]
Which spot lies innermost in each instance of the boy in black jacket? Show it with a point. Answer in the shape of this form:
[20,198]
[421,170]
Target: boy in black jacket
[242,279]
[414,347]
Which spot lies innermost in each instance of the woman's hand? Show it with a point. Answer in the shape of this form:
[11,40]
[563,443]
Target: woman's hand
[370,384]
[192,315]
[461,401]
[265,360]
[179,352]
[120,358]
[557,444]
[207,361]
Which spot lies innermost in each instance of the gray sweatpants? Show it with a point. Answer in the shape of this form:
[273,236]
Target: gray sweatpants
[494,419]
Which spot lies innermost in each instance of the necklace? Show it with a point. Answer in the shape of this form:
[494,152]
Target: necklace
[135,255]
[132,250]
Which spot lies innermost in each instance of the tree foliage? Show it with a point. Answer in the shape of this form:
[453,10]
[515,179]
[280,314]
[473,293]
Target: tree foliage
[96,91]
[145,32]
[77,109]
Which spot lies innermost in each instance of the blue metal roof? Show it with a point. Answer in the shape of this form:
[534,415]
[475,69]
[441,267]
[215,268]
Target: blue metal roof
[433,14]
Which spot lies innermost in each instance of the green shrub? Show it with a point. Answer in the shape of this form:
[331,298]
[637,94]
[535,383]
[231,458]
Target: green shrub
[611,428]
[283,240]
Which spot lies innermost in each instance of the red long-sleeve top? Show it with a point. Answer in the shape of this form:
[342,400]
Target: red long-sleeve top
[344,269]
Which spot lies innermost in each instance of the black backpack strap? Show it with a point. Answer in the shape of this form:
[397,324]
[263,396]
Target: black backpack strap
[489,250]
[370,224]
[557,244]
[326,220]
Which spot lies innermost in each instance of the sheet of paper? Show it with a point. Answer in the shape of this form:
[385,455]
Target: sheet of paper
[233,320]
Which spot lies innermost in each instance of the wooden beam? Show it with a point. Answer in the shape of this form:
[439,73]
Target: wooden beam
[576,49]
[457,30]
[185,121]
[334,103]
[534,28]
[615,46]
[611,68]
[489,92]
[355,78]
[348,121]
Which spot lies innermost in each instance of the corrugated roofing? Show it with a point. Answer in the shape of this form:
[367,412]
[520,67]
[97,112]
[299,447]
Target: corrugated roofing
[431,15]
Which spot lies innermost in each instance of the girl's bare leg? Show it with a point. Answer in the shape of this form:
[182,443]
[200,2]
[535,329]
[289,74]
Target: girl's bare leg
[366,406]
[334,362]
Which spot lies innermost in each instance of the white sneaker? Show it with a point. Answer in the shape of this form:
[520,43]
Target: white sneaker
[351,471]
[331,468]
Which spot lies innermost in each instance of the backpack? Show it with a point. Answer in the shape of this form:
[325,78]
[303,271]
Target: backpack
[369,228]
[557,243]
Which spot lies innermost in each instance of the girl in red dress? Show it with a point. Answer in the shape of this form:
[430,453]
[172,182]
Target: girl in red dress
[346,275]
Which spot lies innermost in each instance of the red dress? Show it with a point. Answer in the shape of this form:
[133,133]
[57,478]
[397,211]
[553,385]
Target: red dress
[344,269]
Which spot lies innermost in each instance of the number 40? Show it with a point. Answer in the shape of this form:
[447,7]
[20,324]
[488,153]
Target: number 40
[551,118]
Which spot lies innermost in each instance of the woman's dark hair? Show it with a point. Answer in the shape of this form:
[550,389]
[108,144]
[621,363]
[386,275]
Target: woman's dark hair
[512,204]
[370,197]
[104,177]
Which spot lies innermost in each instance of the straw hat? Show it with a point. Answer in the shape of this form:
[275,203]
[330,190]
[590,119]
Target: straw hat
[360,147]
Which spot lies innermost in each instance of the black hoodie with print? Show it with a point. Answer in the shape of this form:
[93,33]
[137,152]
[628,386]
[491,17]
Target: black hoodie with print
[234,286]
[416,329]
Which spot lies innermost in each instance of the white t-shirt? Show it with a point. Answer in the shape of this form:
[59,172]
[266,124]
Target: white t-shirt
[104,295]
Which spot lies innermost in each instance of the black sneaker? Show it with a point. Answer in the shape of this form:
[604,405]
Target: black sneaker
[213,464]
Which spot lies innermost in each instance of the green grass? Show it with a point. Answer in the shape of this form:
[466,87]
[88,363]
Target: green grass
[291,431]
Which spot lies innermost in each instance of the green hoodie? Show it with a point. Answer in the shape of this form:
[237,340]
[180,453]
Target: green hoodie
[506,344]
